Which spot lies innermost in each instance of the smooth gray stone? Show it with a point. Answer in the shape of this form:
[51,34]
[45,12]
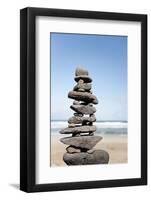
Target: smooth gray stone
[71,149]
[82,109]
[84,158]
[80,129]
[83,86]
[83,96]
[80,120]
[81,71]
[84,142]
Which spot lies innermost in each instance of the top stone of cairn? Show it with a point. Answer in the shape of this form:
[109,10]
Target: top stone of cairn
[83,74]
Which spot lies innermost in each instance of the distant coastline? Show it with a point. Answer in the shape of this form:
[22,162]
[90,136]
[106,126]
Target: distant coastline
[61,120]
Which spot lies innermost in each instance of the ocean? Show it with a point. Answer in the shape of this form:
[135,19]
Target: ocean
[103,127]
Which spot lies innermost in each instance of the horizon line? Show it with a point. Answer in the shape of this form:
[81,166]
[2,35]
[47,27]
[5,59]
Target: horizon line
[95,121]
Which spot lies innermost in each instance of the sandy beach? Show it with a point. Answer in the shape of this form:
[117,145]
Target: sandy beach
[115,145]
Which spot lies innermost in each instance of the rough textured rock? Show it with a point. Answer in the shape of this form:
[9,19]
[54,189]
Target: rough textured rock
[85,142]
[83,96]
[71,149]
[84,158]
[80,120]
[82,109]
[80,129]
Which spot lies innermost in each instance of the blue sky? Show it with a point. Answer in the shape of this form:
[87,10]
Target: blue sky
[105,57]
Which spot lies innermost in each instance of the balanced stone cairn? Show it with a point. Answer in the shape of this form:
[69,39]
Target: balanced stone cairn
[80,150]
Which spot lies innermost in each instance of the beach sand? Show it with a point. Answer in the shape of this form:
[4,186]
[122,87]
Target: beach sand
[115,145]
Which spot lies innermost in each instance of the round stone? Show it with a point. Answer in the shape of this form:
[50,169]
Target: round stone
[84,158]
[80,71]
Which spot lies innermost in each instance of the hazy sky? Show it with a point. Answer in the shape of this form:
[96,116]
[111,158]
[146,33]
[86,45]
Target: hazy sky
[105,57]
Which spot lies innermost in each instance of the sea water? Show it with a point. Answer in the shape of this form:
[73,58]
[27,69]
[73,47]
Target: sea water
[103,127]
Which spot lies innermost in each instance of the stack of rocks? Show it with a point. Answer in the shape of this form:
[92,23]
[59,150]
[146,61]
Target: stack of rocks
[80,150]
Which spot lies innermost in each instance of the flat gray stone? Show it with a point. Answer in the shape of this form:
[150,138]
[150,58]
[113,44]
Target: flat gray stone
[71,149]
[84,158]
[80,120]
[82,109]
[80,129]
[84,142]
[85,78]
[83,96]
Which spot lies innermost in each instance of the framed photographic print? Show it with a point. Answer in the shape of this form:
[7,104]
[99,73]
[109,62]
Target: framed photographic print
[83,99]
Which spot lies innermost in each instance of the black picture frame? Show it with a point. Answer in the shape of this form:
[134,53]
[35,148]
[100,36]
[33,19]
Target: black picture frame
[28,99]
